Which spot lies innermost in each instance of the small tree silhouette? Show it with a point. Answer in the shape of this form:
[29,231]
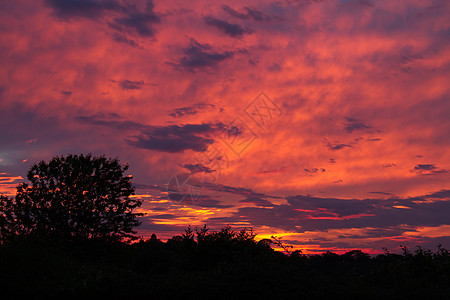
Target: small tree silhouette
[73,197]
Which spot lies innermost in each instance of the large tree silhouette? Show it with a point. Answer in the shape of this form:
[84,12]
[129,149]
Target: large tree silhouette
[73,197]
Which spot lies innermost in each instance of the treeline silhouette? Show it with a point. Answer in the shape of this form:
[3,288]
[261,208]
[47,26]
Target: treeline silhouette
[213,264]
[68,232]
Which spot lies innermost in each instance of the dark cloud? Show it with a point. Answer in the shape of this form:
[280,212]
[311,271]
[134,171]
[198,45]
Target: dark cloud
[198,168]
[91,9]
[362,3]
[164,216]
[202,55]
[212,203]
[66,93]
[328,206]
[257,201]
[427,169]
[381,193]
[256,15]
[129,84]
[251,13]
[156,208]
[33,126]
[140,22]
[305,213]
[442,194]
[353,124]
[189,110]
[337,146]
[308,213]
[172,139]
[315,170]
[234,13]
[141,186]
[262,216]
[175,138]
[275,67]
[233,30]
[219,221]
[235,190]
[179,198]
[265,172]
[127,18]
[110,120]
[389,165]
[123,39]
[375,232]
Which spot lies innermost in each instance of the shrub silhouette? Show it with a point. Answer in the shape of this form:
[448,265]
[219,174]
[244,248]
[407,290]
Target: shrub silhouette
[72,197]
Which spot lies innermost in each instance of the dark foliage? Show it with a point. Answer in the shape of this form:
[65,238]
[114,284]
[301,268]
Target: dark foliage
[214,264]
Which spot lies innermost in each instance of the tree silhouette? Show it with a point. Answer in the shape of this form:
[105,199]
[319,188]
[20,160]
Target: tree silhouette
[73,197]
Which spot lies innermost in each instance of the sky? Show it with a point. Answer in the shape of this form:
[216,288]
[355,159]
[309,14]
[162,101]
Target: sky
[324,123]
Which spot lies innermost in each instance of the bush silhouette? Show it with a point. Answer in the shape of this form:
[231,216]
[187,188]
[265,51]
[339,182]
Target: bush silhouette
[72,197]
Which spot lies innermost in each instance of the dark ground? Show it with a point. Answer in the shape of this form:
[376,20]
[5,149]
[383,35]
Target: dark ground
[219,265]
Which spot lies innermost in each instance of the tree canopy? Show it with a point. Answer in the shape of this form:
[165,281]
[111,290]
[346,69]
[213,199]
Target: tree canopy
[72,197]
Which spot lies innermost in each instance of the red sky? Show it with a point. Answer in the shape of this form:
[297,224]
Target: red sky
[322,122]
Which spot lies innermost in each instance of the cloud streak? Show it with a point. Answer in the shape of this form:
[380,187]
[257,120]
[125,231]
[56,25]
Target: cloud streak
[233,30]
